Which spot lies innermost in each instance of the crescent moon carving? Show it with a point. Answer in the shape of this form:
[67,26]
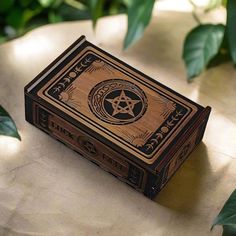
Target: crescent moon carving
[87,60]
[78,69]
[173,118]
[170,123]
[154,141]
[159,135]
[61,84]
[83,65]
[149,146]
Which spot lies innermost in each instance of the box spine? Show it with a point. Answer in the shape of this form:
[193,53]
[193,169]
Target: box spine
[85,145]
[156,182]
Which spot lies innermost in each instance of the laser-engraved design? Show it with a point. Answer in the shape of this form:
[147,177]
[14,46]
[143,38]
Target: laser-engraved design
[167,106]
[118,98]
[71,75]
[66,96]
[140,139]
[169,124]
[88,146]
[117,101]
[123,104]
[99,65]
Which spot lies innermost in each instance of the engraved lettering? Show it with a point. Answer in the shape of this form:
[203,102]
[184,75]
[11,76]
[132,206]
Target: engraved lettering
[93,150]
[62,130]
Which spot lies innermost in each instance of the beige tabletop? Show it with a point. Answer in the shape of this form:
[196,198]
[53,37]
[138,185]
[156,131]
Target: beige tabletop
[47,189]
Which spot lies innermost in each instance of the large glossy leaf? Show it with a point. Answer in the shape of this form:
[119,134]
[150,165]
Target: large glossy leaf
[231,28]
[7,125]
[200,46]
[139,15]
[229,230]
[223,54]
[96,9]
[227,216]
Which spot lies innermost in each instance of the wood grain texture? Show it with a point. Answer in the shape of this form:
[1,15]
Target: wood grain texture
[126,107]
[138,115]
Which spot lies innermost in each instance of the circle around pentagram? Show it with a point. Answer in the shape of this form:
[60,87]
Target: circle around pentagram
[117,101]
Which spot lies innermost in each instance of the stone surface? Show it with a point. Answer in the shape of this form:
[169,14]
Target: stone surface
[47,189]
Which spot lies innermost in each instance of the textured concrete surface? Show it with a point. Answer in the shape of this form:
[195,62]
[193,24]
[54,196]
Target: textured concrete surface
[47,189]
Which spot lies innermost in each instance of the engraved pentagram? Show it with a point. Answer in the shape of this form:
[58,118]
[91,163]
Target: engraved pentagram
[123,104]
[117,101]
[88,146]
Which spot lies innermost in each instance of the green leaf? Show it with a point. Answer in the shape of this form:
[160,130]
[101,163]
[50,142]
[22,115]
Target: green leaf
[28,14]
[115,7]
[53,17]
[96,9]
[231,28]
[128,3]
[25,3]
[15,18]
[69,13]
[229,230]
[46,3]
[201,45]
[75,4]
[139,15]
[5,5]
[223,54]
[7,125]
[57,3]
[227,216]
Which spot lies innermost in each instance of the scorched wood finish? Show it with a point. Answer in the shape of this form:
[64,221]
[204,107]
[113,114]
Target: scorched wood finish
[129,124]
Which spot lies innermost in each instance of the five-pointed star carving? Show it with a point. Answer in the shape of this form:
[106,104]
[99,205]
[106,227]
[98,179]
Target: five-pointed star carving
[123,99]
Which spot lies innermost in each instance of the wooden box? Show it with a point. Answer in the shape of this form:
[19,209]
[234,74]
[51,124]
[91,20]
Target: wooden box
[129,124]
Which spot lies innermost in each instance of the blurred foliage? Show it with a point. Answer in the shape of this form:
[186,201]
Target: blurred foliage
[19,16]
[227,216]
[7,125]
[139,15]
[205,46]
[209,45]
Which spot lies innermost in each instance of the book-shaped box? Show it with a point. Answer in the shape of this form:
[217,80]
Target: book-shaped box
[129,124]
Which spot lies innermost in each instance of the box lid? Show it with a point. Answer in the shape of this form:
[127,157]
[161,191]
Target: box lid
[118,103]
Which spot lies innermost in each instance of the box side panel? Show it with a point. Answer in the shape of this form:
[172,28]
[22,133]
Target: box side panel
[85,145]
[156,183]
[28,109]
[153,180]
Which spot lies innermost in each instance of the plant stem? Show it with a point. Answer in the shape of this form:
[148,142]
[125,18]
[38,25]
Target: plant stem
[194,14]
